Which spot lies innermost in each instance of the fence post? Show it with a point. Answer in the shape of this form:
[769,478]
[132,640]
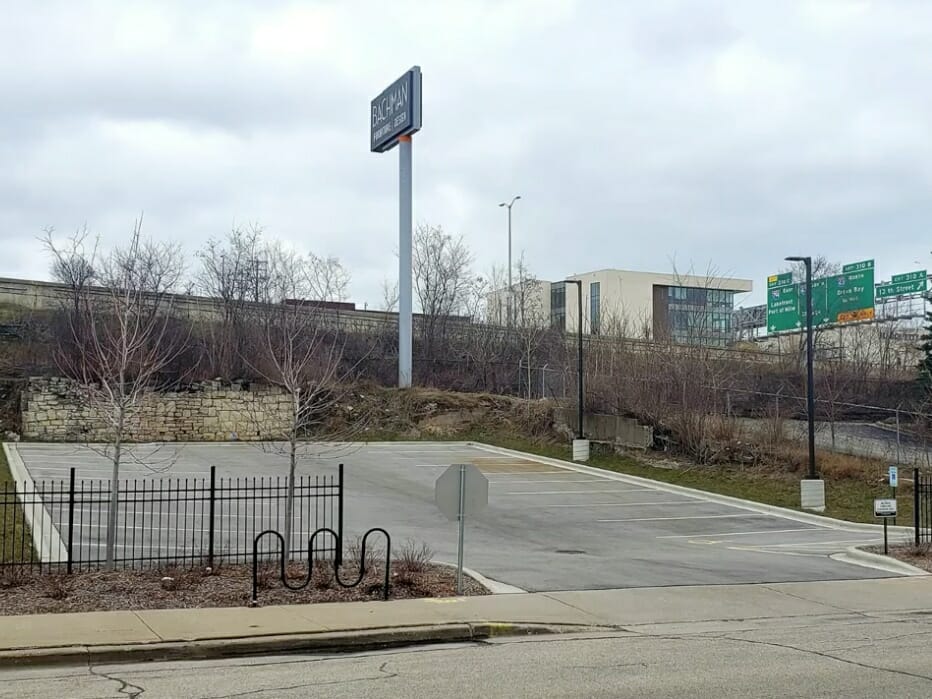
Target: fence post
[339,551]
[70,519]
[210,535]
[916,503]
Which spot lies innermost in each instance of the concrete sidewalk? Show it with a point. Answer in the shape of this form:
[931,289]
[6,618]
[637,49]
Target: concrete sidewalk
[200,633]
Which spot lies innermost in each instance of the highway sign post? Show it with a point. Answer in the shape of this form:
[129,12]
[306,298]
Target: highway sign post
[885,508]
[461,490]
[394,116]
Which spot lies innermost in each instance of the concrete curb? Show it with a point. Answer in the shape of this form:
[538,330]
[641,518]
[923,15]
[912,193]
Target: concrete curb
[337,641]
[493,586]
[866,559]
[795,515]
[45,536]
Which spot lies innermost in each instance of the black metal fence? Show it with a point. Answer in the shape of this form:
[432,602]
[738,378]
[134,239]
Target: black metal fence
[62,524]
[922,506]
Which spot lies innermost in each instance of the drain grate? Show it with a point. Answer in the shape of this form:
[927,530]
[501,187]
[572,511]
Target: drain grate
[570,551]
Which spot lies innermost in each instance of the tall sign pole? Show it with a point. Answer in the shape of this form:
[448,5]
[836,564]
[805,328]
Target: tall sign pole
[395,116]
[405,316]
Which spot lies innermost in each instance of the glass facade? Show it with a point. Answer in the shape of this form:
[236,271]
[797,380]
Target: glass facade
[558,306]
[595,308]
[699,316]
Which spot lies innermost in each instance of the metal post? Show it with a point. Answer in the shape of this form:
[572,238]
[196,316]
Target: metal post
[898,435]
[916,504]
[339,553]
[211,526]
[461,517]
[579,359]
[405,176]
[886,549]
[810,380]
[511,289]
[70,519]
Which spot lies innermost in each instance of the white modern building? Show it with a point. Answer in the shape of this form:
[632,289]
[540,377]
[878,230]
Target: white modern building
[680,307]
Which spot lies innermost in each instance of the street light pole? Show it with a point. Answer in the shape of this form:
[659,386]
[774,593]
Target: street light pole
[579,358]
[511,291]
[810,381]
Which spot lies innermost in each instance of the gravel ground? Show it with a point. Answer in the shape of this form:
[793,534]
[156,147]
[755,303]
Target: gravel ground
[227,586]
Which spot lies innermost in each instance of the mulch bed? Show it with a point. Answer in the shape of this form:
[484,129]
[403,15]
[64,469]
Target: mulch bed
[919,556]
[24,592]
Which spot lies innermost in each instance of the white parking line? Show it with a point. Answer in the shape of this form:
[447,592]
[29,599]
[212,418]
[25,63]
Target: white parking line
[763,531]
[576,492]
[517,473]
[662,519]
[612,504]
[561,480]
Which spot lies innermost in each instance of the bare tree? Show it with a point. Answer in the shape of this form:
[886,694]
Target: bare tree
[123,340]
[442,279]
[233,272]
[329,280]
[73,266]
[294,347]
[389,295]
[530,325]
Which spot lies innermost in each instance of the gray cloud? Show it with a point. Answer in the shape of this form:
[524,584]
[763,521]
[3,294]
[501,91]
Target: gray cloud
[726,132]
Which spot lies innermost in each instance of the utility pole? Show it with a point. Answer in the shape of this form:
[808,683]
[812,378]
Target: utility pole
[511,291]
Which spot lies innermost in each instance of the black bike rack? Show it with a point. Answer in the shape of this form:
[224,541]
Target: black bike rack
[283,560]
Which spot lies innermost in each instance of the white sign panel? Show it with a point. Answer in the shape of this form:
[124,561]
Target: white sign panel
[893,476]
[447,491]
[884,507]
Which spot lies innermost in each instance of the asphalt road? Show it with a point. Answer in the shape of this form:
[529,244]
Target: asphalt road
[546,528]
[849,657]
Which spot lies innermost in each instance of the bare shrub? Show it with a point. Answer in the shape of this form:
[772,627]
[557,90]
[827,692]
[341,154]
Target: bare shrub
[414,557]
[375,554]
[55,587]
[14,576]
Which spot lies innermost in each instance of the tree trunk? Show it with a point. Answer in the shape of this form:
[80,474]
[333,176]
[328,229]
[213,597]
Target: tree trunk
[115,490]
[289,499]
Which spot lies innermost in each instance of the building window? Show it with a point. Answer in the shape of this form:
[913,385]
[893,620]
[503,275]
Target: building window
[699,316]
[558,305]
[595,308]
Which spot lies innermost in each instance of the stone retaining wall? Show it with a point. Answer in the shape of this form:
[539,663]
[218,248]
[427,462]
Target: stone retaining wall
[53,409]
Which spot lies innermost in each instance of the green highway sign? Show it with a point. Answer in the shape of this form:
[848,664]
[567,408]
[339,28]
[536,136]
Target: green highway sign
[777,280]
[783,308]
[858,266]
[910,277]
[819,302]
[851,295]
[885,291]
[841,298]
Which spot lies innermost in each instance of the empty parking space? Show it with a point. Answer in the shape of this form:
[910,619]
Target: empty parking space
[547,527]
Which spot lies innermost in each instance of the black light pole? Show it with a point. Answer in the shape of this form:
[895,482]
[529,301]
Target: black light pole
[579,358]
[810,382]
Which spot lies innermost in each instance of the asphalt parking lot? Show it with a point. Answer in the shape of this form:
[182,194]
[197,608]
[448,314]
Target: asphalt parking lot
[547,527]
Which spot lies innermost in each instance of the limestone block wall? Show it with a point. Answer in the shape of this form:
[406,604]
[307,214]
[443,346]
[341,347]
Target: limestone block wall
[55,409]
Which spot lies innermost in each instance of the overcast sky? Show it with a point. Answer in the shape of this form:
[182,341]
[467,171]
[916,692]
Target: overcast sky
[714,133]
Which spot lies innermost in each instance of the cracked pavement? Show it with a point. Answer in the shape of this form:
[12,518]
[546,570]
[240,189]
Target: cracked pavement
[848,655]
